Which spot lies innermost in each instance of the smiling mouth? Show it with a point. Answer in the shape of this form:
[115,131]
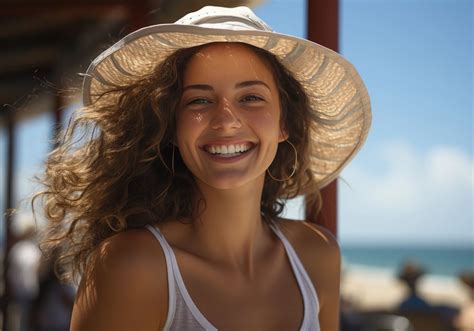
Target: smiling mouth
[228,151]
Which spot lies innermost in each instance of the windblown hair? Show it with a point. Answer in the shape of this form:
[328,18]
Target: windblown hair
[118,174]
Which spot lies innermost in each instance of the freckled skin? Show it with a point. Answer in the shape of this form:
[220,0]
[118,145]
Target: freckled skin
[225,111]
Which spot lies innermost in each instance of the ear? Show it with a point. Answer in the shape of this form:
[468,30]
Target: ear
[283,135]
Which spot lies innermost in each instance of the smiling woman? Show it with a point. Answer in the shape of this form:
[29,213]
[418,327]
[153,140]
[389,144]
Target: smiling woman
[170,212]
[227,105]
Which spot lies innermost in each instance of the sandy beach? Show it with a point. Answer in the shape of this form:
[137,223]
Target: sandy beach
[370,288]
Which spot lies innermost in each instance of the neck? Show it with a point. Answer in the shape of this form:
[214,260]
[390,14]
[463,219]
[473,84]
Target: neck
[230,231]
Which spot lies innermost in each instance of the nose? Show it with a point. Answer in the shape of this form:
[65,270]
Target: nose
[225,117]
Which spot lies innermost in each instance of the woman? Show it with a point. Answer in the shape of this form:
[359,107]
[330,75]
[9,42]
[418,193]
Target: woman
[169,210]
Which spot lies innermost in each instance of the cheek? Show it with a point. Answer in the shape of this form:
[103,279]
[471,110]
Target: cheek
[268,123]
[188,125]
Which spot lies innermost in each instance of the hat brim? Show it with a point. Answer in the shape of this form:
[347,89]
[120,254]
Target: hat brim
[339,102]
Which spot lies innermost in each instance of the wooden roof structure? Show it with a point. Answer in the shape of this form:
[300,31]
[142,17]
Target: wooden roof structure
[45,42]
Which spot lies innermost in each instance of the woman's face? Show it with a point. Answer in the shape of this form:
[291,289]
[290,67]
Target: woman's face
[228,119]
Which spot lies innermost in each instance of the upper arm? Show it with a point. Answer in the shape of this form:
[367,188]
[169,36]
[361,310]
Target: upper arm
[329,282]
[125,287]
[320,253]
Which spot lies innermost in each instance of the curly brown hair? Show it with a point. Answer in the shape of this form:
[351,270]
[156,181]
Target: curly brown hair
[117,174]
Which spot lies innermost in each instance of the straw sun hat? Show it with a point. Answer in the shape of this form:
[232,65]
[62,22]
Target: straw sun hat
[339,102]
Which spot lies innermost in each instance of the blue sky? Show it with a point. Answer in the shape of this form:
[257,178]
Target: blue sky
[413,180]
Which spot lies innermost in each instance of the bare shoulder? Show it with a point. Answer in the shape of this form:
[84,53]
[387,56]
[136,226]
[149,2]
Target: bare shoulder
[125,286]
[311,238]
[319,251]
[134,251]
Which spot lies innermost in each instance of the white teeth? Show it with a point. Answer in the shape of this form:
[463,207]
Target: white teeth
[229,150]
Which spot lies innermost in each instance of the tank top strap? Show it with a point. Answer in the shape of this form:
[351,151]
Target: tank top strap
[183,314]
[310,298]
[169,270]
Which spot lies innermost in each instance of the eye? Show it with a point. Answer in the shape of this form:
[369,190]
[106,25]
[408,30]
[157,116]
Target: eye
[198,101]
[252,98]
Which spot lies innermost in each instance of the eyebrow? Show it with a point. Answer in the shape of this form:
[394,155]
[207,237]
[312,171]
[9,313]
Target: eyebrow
[238,85]
[250,83]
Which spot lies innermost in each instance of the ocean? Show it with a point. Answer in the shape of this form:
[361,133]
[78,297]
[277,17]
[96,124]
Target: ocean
[441,261]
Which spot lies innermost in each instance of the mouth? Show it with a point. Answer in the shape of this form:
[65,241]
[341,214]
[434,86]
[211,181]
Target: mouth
[229,150]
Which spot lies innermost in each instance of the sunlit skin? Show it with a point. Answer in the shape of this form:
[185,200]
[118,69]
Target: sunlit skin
[230,97]
[233,266]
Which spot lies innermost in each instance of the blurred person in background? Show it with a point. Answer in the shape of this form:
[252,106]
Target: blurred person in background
[199,128]
[51,309]
[24,260]
[415,305]
[410,274]
[464,321]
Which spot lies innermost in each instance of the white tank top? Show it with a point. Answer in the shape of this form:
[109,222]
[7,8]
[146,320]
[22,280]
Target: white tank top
[183,315]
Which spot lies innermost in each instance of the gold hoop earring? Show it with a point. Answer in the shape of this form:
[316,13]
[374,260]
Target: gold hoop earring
[294,166]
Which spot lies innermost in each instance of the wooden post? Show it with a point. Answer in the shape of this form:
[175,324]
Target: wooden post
[323,28]
[9,239]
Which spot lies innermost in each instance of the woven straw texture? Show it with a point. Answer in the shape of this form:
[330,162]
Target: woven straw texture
[338,98]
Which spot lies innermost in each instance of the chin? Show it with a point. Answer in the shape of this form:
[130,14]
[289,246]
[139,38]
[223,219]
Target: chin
[232,182]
